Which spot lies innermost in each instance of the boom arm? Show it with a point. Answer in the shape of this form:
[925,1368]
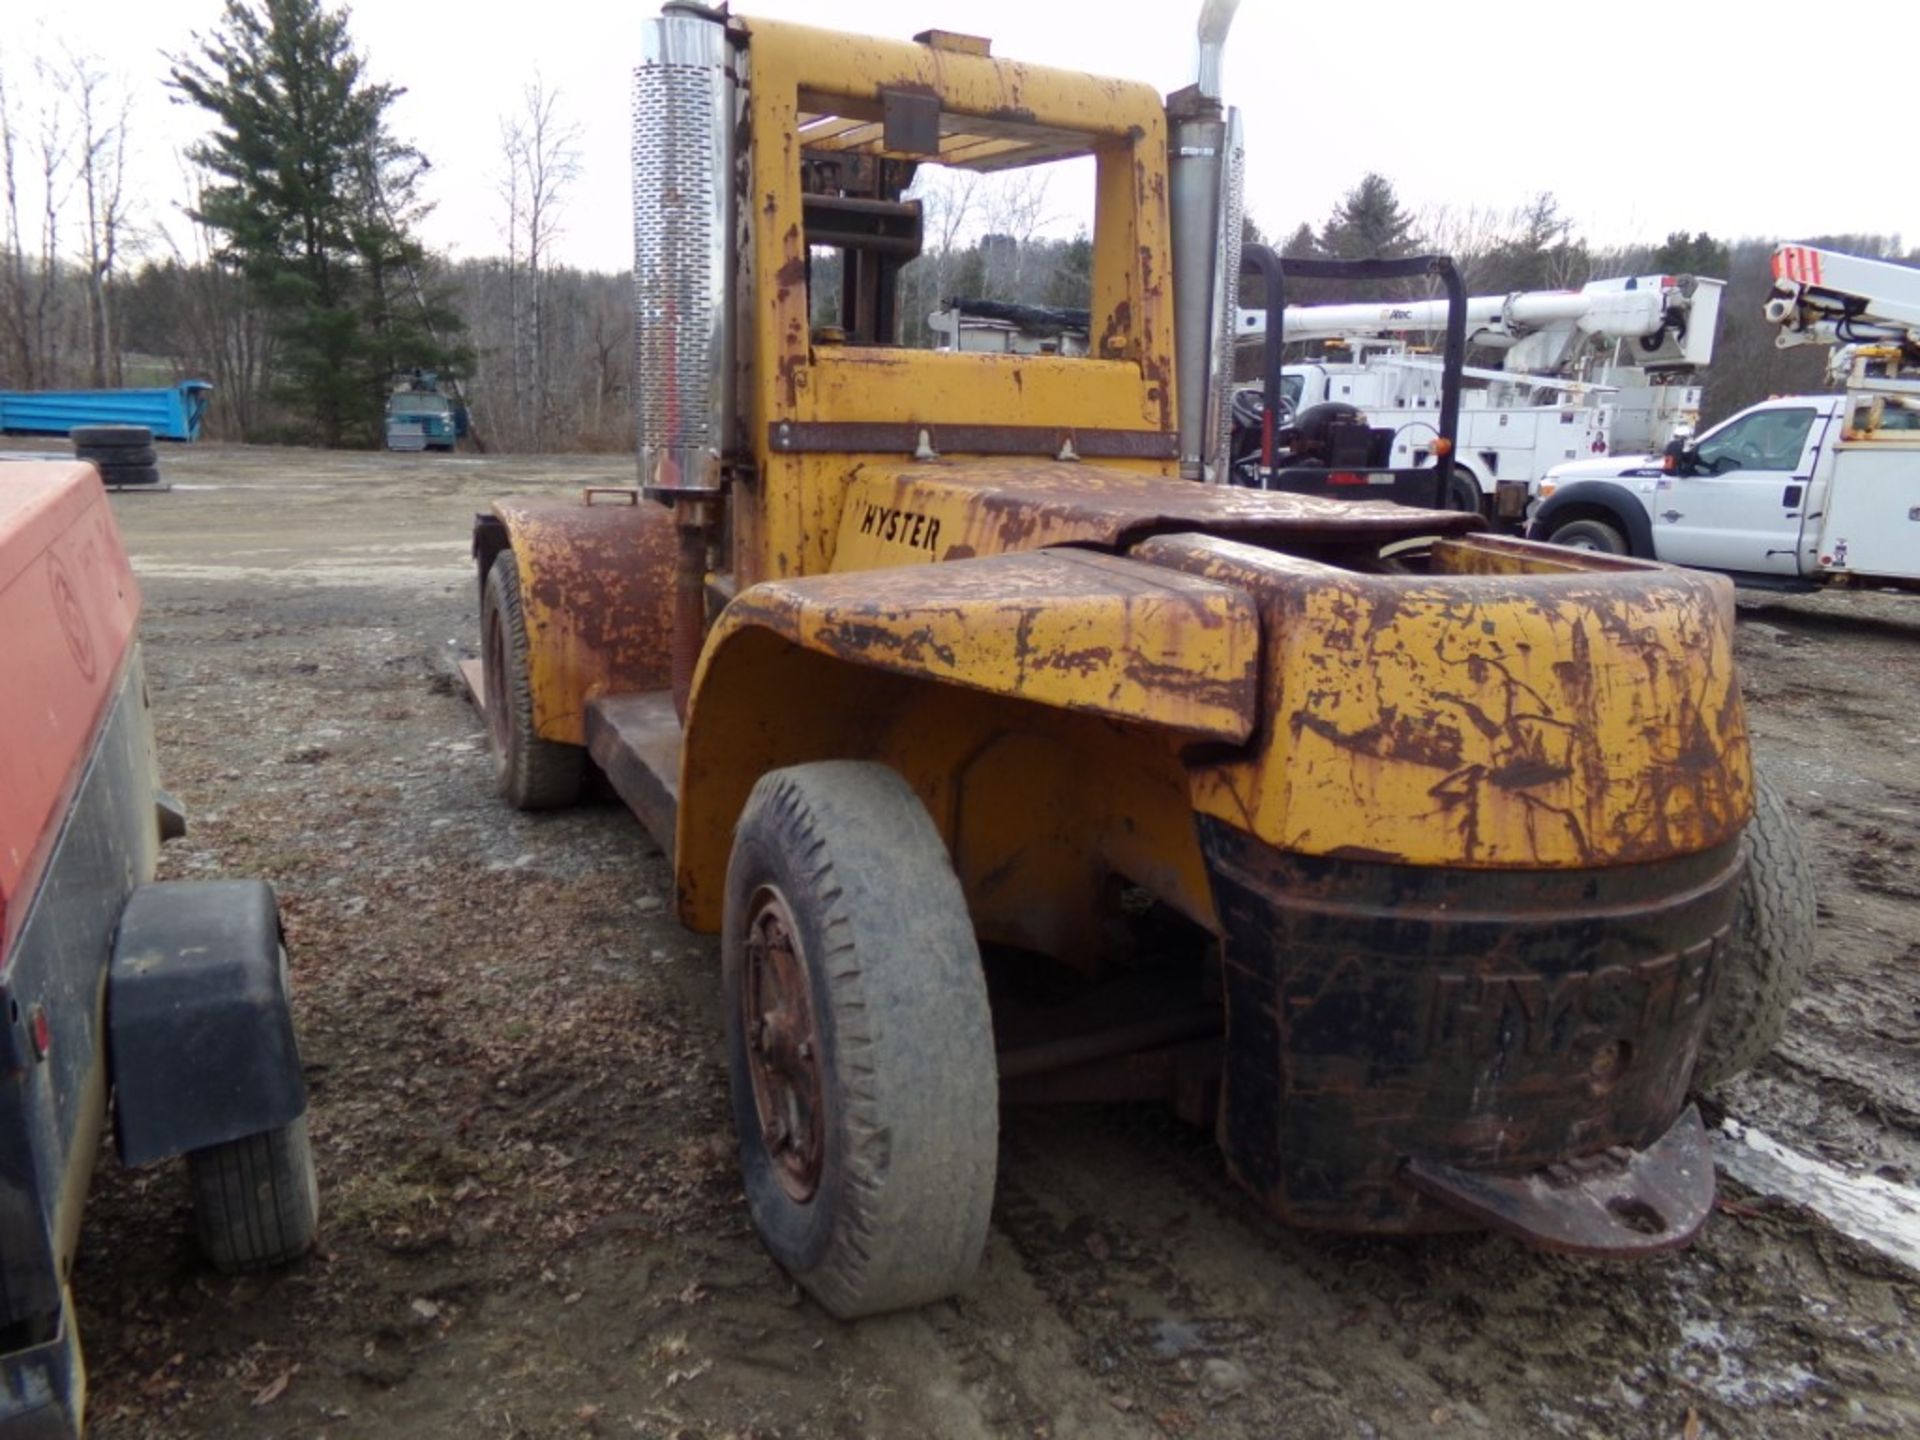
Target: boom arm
[1821,297]
[1672,317]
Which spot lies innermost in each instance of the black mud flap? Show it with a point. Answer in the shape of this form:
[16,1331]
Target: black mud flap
[43,1387]
[199,1020]
[1621,1202]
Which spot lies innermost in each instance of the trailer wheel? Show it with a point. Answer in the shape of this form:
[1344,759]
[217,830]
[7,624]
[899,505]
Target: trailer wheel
[1769,947]
[255,1201]
[533,774]
[859,1043]
[1595,535]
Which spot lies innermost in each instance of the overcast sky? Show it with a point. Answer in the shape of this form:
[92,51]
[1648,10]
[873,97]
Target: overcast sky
[1641,118]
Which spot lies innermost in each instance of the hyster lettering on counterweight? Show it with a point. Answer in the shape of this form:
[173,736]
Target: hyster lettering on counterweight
[1533,1015]
[902,527]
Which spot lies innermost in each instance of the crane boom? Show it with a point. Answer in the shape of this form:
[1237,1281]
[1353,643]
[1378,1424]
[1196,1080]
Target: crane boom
[1821,297]
[1675,313]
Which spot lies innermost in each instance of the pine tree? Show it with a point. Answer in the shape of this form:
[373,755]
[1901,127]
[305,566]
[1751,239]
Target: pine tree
[1303,244]
[1369,224]
[314,199]
[1698,254]
[1540,253]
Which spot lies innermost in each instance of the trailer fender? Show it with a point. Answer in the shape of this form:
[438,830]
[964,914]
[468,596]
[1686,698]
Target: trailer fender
[596,584]
[1000,687]
[1597,497]
[199,1021]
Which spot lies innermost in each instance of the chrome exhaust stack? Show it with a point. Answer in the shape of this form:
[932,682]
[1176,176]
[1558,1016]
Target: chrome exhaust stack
[683,165]
[1199,131]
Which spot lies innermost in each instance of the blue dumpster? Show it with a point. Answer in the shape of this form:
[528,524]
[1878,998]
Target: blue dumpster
[172,413]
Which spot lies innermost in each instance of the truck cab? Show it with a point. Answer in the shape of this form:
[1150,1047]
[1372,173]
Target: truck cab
[1738,503]
[1789,489]
[421,415]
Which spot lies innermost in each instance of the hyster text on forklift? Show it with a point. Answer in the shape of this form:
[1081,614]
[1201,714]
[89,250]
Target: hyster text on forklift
[164,1005]
[1011,760]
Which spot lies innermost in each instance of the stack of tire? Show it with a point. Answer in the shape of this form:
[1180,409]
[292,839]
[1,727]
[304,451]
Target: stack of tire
[123,454]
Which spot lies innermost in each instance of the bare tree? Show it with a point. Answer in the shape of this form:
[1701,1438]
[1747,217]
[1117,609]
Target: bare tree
[224,330]
[52,143]
[17,306]
[1015,206]
[102,158]
[541,150]
[948,208]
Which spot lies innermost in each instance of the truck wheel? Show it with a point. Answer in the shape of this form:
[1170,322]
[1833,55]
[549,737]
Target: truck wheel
[1463,493]
[859,1043]
[533,774]
[255,1201]
[1769,947]
[1590,535]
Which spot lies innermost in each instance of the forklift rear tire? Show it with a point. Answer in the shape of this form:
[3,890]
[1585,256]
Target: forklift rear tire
[1769,947]
[859,1043]
[1594,535]
[533,774]
[255,1201]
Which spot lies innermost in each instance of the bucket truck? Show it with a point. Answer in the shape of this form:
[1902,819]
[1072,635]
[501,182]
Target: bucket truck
[1797,489]
[1556,397]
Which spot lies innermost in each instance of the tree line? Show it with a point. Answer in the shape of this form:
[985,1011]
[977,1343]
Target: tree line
[297,283]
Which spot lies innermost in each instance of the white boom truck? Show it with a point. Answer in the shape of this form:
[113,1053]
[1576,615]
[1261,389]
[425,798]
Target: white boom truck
[1799,488]
[1558,395]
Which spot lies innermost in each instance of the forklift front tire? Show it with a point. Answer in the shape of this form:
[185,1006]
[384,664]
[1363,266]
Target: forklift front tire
[532,773]
[859,1043]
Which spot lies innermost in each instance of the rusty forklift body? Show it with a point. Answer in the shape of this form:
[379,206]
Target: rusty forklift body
[1458,818]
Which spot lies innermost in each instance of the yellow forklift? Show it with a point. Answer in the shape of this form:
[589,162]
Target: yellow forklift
[1414,860]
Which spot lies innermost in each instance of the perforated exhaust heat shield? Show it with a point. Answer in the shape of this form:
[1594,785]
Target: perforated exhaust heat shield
[683,128]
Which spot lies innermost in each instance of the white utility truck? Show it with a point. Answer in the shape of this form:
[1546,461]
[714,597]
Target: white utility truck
[1612,366]
[1800,488]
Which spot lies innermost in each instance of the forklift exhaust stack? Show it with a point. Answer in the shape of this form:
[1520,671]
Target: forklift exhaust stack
[683,144]
[1197,131]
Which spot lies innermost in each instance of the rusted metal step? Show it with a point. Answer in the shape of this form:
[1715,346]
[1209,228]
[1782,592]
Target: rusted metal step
[635,740]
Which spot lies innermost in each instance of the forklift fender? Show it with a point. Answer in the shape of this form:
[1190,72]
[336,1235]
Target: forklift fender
[596,586]
[808,669]
[199,1022]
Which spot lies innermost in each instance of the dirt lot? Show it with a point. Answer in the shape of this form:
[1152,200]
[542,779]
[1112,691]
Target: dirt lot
[531,1224]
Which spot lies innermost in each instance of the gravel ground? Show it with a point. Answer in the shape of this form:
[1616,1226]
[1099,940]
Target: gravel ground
[531,1225]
